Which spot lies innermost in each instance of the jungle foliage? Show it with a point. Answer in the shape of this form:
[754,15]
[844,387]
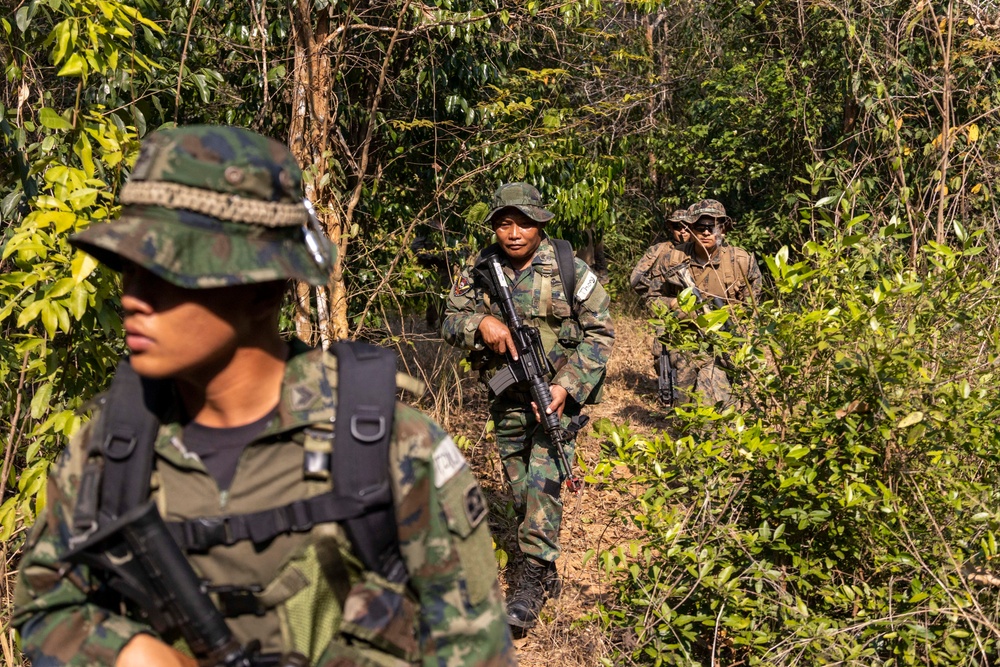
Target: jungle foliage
[856,144]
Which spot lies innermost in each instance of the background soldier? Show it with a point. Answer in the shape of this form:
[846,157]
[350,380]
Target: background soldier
[213,227]
[577,336]
[676,225]
[727,273]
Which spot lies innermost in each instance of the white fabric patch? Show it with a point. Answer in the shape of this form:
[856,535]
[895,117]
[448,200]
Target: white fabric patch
[447,461]
[587,288]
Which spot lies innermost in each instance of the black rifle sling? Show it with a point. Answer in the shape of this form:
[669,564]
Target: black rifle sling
[362,495]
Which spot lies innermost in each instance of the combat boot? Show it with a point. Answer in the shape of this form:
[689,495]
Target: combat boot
[526,603]
[551,582]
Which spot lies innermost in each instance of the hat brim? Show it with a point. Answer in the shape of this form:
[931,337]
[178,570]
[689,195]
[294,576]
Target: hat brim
[536,213]
[197,252]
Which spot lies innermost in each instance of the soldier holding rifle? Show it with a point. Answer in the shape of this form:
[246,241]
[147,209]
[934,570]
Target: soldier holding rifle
[544,361]
[719,274]
[238,499]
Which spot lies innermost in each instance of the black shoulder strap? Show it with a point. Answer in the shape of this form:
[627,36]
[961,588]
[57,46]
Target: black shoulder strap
[120,460]
[567,269]
[117,474]
[366,403]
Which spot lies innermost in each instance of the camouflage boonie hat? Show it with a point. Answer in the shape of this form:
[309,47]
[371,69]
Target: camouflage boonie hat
[710,208]
[211,206]
[680,215]
[522,196]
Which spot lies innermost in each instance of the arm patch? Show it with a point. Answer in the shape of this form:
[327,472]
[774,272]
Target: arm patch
[587,287]
[447,461]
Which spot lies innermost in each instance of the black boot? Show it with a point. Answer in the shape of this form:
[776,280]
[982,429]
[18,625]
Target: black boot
[551,582]
[526,603]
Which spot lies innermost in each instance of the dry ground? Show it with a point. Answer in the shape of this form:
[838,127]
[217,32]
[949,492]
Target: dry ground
[566,635]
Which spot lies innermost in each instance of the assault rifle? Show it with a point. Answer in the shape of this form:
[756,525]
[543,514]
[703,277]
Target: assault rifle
[666,378]
[147,567]
[532,365]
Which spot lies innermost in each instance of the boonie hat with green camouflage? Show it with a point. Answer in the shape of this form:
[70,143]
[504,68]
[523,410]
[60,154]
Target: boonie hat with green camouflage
[707,207]
[522,196]
[211,206]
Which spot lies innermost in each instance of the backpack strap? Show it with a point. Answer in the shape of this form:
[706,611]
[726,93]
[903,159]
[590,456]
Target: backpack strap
[567,269]
[119,463]
[366,403]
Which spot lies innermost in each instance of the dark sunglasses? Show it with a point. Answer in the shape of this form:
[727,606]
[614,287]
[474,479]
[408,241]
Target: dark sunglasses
[698,229]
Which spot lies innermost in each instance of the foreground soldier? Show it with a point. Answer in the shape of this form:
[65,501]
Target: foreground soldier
[716,271]
[244,448]
[577,335]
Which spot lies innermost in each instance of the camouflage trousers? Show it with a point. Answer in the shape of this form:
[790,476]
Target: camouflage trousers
[535,474]
[696,372]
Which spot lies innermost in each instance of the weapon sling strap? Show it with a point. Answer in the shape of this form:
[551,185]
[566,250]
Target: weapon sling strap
[361,499]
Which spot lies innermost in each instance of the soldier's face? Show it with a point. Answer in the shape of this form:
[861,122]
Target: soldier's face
[679,233]
[519,236]
[191,334]
[706,232]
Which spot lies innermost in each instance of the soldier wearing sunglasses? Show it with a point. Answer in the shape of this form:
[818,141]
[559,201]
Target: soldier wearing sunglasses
[720,274]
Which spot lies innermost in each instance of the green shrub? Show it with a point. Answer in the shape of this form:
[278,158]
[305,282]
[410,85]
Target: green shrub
[835,519]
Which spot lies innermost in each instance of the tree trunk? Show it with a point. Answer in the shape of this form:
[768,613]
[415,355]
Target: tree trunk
[313,114]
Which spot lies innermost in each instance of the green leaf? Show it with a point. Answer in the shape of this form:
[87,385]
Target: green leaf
[40,401]
[52,120]
[22,19]
[82,266]
[76,65]
[911,419]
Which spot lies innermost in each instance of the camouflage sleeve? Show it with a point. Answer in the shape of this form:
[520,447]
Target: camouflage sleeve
[664,286]
[463,313]
[585,366]
[640,274]
[753,277]
[59,623]
[446,543]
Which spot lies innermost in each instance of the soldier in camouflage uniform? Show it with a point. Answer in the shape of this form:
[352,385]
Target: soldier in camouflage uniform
[577,335]
[679,235]
[717,271]
[212,229]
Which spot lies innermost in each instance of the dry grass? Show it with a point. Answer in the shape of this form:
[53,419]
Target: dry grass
[565,636]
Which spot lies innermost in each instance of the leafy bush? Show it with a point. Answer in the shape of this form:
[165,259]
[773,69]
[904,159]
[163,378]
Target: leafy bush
[848,515]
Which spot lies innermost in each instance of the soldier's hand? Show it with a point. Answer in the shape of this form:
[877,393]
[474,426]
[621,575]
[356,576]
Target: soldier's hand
[496,336]
[147,651]
[558,404]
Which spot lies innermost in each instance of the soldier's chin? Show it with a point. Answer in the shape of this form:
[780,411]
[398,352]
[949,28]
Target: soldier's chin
[147,367]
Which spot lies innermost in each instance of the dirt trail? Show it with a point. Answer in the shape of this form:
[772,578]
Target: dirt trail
[565,636]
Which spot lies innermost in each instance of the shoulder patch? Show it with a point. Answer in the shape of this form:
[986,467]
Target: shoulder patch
[447,461]
[462,286]
[475,505]
[587,287]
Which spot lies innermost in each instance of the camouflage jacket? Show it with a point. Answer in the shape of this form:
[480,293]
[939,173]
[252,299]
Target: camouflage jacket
[317,603]
[577,337]
[731,274]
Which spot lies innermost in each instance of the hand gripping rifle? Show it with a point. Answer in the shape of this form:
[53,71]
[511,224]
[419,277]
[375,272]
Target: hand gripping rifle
[148,568]
[531,366]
